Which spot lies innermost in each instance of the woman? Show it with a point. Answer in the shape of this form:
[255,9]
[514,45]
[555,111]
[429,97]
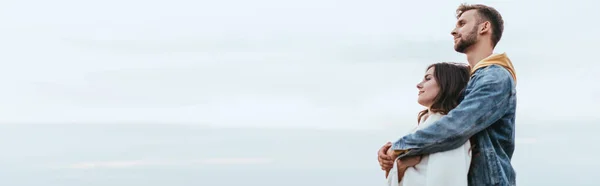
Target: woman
[439,91]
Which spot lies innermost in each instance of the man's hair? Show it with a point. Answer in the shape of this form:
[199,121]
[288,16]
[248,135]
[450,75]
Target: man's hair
[485,13]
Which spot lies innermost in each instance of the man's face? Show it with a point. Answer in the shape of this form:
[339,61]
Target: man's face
[465,33]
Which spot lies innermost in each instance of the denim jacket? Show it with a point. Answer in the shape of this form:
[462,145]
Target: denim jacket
[486,116]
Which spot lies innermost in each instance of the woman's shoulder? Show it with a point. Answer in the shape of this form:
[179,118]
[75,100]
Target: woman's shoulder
[429,118]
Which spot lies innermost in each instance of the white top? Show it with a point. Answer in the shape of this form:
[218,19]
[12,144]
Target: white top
[438,169]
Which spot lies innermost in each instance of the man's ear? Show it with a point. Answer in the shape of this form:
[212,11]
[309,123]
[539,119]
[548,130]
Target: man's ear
[485,27]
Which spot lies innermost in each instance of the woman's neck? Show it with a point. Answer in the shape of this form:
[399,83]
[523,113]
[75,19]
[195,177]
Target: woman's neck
[429,112]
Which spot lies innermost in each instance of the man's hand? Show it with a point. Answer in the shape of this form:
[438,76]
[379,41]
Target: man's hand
[385,161]
[408,161]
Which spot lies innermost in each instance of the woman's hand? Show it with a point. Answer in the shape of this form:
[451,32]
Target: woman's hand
[408,161]
[404,163]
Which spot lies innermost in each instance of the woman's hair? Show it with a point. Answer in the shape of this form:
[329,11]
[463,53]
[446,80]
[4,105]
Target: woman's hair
[452,79]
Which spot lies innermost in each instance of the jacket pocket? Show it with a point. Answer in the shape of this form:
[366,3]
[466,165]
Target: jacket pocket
[484,168]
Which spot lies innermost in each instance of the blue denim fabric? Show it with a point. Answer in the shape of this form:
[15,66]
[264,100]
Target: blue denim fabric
[486,115]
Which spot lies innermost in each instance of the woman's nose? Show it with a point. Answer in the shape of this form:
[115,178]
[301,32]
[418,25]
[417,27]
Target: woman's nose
[419,86]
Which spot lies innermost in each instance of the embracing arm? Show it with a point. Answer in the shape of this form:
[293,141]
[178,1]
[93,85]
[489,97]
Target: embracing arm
[486,102]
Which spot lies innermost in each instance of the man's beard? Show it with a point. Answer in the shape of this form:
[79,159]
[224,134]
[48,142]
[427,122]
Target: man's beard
[464,43]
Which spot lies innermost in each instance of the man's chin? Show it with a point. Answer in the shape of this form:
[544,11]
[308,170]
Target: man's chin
[459,50]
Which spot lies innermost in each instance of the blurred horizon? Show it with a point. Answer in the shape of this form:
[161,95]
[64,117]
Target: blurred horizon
[181,155]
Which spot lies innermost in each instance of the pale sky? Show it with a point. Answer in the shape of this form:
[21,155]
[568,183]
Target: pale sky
[311,63]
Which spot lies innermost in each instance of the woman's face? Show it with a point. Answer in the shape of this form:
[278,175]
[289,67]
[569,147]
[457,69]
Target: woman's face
[428,88]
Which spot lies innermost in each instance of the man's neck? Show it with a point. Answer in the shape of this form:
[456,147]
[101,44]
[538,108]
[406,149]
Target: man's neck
[477,53]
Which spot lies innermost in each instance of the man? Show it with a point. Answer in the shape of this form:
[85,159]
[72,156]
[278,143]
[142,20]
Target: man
[486,115]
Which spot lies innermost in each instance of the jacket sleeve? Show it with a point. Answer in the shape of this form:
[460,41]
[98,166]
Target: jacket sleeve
[485,103]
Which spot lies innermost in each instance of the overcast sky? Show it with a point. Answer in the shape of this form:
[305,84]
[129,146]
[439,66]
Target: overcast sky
[310,63]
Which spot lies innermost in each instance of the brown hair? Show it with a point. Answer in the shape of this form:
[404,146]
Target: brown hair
[486,13]
[452,79]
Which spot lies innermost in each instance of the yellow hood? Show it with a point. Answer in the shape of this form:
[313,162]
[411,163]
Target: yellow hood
[496,59]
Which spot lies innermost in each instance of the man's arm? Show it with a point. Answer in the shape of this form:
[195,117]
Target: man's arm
[487,102]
